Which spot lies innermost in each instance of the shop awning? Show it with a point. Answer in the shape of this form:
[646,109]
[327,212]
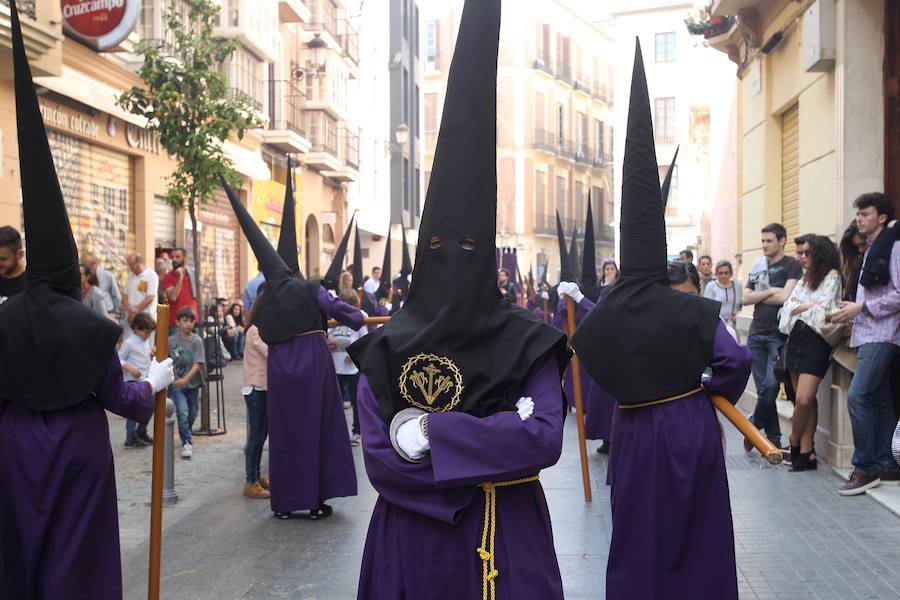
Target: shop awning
[248,162]
[90,92]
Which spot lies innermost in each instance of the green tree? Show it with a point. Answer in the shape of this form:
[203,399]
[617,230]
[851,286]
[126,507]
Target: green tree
[187,103]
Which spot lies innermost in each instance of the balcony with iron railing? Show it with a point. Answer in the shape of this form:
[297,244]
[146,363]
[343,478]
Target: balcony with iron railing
[323,18]
[544,224]
[564,72]
[582,83]
[605,233]
[664,137]
[544,140]
[287,129]
[42,33]
[567,149]
[350,148]
[322,133]
[583,153]
[542,63]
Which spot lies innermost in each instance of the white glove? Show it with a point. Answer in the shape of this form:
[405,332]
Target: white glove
[545,295]
[160,375]
[571,290]
[389,305]
[411,440]
[525,407]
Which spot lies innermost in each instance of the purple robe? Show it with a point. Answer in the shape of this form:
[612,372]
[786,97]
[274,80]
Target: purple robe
[599,405]
[429,517]
[59,523]
[672,531]
[310,459]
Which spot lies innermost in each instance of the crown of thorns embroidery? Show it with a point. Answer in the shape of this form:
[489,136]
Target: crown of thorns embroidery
[430,382]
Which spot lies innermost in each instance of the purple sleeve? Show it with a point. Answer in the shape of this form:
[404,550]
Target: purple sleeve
[466,450]
[408,485]
[339,310]
[581,311]
[889,303]
[730,366]
[132,400]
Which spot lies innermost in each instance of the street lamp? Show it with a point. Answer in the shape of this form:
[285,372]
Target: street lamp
[401,134]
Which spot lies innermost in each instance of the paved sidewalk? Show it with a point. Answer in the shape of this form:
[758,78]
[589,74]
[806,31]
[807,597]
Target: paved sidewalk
[796,539]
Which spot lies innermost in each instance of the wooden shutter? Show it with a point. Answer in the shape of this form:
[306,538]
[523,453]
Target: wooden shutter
[163,224]
[790,175]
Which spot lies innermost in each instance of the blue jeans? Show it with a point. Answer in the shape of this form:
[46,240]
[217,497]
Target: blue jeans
[239,343]
[765,348]
[257,430]
[872,409]
[187,405]
[132,428]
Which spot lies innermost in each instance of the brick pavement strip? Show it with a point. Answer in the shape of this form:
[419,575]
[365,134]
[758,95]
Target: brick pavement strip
[795,537]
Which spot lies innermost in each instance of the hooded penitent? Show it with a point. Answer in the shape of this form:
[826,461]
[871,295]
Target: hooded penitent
[588,282]
[406,267]
[626,342]
[287,238]
[574,259]
[566,273]
[357,260]
[385,269]
[456,345]
[54,350]
[332,278]
[289,306]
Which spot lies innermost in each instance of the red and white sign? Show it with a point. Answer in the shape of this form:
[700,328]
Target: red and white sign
[100,24]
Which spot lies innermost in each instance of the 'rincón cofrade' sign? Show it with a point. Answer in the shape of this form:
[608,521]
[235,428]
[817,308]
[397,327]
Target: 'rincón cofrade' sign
[100,24]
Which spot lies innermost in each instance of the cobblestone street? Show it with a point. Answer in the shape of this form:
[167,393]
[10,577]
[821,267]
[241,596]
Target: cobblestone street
[796,538]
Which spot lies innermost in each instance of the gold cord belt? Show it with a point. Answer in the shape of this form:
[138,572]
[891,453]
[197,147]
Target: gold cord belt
[486,551]
[663,401]
[313,332]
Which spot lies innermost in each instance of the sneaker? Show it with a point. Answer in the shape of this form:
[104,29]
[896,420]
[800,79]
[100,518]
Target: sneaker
[355,439]
[187,451]
[264,483]
[256,491]
[135,444]
[890,478]
[604,448]
[142,435]
[859,484]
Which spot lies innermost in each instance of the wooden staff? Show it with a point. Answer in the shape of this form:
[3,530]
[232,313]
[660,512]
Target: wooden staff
[159,435]
[579,405]
[366,321]
[546,311]
[390,298]
[359,292]
[743,424]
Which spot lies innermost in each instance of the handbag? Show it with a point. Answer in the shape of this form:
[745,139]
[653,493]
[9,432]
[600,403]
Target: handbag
[844,355]
[780,367]
[833,333]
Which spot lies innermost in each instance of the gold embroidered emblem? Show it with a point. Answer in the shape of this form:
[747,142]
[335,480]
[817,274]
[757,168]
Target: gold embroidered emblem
[432,383]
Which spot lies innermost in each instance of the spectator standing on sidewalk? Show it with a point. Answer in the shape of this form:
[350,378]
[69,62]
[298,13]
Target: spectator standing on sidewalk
[771,281]
[805,319]
[251,290]
[339,338]
[134,354]
[256,384]
[107,281]
[91,294]
[141,287]
[853,247]
[180,291]
[186,350]
[725,290]
[876,335]
[686,256]
[705,267]
[12,263]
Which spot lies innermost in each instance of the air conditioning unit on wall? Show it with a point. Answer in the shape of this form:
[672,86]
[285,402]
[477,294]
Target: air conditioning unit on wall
[819,36]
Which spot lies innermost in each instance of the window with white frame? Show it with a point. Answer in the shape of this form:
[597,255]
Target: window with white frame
[432,55]
[665,47]
[664,119]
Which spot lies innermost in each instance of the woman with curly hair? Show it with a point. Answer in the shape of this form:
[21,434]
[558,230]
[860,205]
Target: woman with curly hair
[804,318]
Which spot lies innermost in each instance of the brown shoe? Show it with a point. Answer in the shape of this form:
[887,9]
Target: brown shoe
[859,484]
[264,482]
[890,478]
[255,491]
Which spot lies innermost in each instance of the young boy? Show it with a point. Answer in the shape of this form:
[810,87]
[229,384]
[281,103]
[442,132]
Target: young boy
[135,358]
[339,338]
[186,350]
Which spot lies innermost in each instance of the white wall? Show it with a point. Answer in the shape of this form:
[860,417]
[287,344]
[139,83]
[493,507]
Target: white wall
[697,77]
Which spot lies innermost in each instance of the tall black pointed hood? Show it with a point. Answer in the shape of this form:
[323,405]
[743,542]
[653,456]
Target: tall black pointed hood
[406,267]
[357,260]
[574,259]
[667,182]
[289,307]
[332,277]
[287,238]
[566,273]
[54,350]
[385,283]
[645,341]
[589,285]
[449,347]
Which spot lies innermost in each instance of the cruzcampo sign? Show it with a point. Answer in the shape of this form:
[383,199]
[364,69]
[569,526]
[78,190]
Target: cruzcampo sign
[100,24]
